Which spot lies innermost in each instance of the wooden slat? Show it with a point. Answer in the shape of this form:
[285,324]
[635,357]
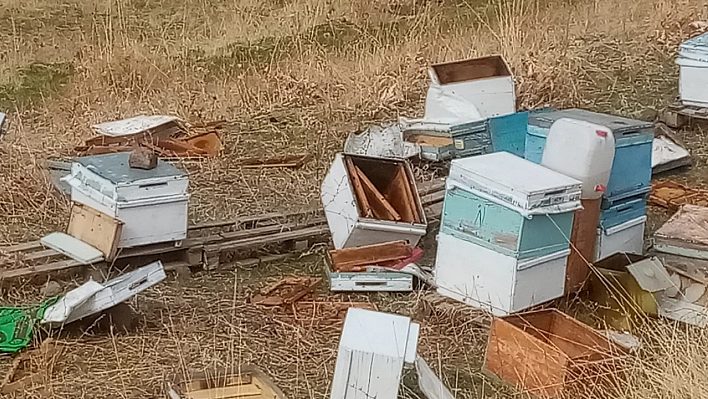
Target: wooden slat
[29,271]
[270,239]
[26,246]
[47,253]
[361,199]
[382,209]
[348,258]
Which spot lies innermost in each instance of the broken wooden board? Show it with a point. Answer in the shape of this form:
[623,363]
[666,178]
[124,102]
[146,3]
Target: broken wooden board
[286,291]
[672,195]
[95,229]
[356,259]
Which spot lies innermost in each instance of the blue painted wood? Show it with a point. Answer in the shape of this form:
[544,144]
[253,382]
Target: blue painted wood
[493,225]
[631,168]
[508,133]
[624,211]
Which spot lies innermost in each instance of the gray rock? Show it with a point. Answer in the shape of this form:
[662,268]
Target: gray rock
[142,158]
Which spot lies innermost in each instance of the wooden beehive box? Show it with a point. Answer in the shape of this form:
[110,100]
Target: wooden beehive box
[245,382]
[548,353]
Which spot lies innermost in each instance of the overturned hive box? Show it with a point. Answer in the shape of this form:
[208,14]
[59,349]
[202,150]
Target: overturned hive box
[370,200]
[243,382]
[548,353]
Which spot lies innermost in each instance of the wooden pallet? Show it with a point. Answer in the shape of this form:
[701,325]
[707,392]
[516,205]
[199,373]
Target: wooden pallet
[671,195]
[678,115]
[272,234]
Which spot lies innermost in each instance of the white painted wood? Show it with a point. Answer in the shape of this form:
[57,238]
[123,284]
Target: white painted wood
[372,351]
[72,247]
[693,79]
[132,125]
[88,300]
[429,383]
[493,282]
[146,222]
[626,237]
[350,230]
[515,181]
[370,282]
[683,311]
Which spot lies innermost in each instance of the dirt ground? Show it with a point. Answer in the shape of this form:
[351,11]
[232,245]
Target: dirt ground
[295,77]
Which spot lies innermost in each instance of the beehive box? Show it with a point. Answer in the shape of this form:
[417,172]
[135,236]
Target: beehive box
[549,354]
[245,382]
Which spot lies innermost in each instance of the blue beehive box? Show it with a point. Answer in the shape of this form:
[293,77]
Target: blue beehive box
[631,169]
[624,211]
[509,205]
[508,133]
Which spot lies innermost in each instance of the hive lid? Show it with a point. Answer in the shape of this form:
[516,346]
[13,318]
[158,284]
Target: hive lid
[515,180]
[695,48]
[687,228]
[650,274]
[115,168]
[619,125]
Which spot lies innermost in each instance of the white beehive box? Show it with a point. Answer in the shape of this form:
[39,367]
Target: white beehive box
[485,82]
[517,182]
[152,204]
[693,76]
[494,282]
[372,351]
[348,221]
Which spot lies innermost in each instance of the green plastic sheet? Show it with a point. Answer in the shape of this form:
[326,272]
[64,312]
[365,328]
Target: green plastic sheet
[17,325]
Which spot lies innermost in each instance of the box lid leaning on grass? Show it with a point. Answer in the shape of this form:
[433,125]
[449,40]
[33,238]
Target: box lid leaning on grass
[685,234]
[517,182]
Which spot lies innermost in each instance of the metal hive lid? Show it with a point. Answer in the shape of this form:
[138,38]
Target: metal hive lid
[115,168]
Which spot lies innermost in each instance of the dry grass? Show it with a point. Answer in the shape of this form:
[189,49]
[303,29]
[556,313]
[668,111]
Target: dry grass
[294,76]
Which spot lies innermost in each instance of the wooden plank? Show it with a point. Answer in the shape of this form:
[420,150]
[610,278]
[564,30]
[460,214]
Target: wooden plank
[96,229]
[267,240]
[348,258]
[398,194]
[410,194]
[27,246]
[583,238]
[47,253]
[259,231]
[359,194]
[33,270]
[381,208]
[231,392]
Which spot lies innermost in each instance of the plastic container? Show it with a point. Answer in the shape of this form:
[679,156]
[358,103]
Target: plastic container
[583,151]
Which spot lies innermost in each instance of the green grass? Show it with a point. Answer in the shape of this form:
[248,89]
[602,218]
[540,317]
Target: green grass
[34,83]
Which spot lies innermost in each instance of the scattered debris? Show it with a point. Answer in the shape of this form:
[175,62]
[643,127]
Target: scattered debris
[371,200]
[142,158]
[549,354]
[242,382]
[17,325]
[626,285]
[385,141]
[73,248]
[92,298]
[167,136]
[630,343]
[152,204]
[287,161]
[286,291]
[667,155]
[672,195]
[372,351]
